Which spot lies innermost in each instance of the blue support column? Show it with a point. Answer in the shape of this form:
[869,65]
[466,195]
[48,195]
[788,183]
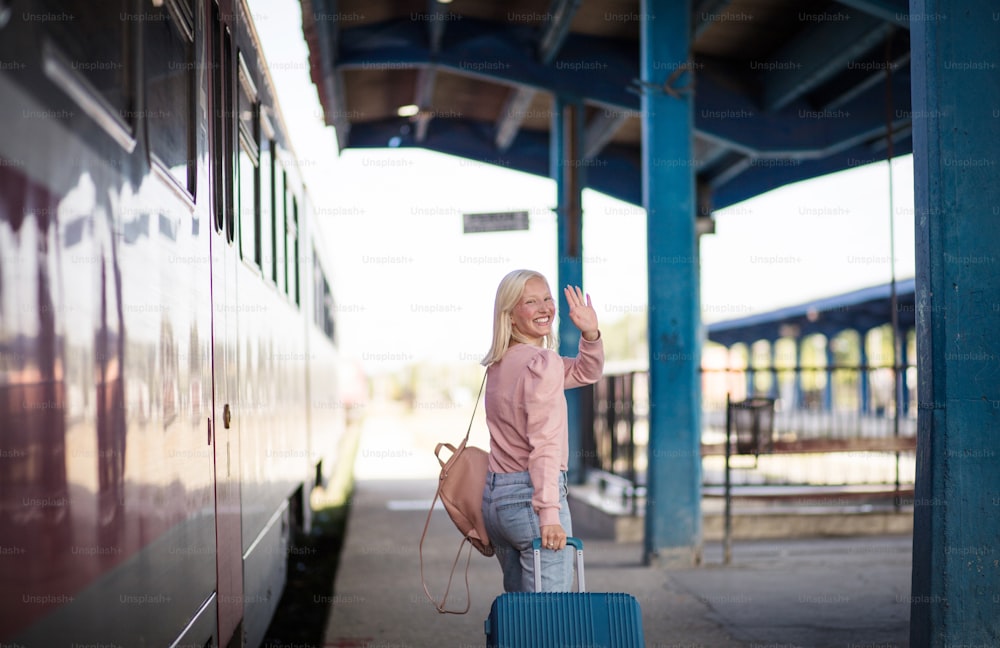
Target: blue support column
[673,506]
[864,395]
[956,132]
[774,391]
[904,360]
[828,388]
[564,155]
[798,375]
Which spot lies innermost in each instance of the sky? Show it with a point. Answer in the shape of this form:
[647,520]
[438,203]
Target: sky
[411,287]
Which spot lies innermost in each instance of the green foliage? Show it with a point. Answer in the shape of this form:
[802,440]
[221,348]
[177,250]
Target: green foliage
[625,338]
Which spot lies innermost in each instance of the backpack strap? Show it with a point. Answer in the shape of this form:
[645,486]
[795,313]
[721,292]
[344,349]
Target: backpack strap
[474,408]
[440,606]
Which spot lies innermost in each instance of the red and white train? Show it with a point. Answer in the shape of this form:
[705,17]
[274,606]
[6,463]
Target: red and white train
[168,366]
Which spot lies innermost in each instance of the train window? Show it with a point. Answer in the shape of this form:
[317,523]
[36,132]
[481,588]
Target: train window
[249,215]
[328,308]
[279,228]
[293,244]
[248,162]
[275,207]
[295,252]
[230,127]
[323,306]
[95,42]
[317,290]
[214,64]
[168,62]
[289,198]
[223,137]
[266,203]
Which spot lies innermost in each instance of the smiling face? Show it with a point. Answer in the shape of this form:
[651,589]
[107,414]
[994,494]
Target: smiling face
[532,316]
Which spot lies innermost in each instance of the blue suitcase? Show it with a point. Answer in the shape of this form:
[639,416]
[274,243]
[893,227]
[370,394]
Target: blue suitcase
[557,619]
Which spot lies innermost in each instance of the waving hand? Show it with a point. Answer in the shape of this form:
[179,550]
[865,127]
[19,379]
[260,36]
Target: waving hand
[582,312]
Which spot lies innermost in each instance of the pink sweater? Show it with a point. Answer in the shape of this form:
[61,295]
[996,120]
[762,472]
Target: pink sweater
[526,415]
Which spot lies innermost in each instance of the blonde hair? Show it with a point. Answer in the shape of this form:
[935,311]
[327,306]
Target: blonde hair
[508,295]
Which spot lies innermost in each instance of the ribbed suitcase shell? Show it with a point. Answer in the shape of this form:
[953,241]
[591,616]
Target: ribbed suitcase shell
[560,619]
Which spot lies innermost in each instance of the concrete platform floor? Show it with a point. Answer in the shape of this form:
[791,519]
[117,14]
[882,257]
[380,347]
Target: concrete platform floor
[851,592]
[844,592]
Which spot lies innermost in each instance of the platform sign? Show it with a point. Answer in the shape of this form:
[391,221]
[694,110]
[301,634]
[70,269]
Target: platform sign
[495,222]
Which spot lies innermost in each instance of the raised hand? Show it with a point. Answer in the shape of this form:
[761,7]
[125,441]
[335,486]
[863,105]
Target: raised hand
[582,312]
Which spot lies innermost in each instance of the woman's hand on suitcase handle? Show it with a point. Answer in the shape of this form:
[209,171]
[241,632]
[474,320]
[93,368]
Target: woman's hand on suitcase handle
[553,537]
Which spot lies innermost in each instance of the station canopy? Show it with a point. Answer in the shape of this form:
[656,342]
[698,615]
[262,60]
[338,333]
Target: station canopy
[783,90]
[858,310]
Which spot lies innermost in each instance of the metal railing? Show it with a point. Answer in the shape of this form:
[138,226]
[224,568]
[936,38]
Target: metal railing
[831,414]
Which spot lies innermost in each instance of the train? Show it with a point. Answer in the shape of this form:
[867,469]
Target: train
[170,378]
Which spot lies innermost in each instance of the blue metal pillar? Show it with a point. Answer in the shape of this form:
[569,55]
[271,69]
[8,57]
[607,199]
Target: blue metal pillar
[828,388]
[751,374]
[565,152]
[956,131]
[798,404]
[673,506]
[774,391]
[904,361]
[864,395]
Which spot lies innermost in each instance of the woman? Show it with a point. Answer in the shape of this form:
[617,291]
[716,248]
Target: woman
[525,493]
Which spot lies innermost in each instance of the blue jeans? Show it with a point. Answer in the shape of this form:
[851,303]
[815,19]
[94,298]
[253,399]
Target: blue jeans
[512,524]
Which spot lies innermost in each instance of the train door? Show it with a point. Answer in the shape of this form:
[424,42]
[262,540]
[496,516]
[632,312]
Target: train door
[229,545]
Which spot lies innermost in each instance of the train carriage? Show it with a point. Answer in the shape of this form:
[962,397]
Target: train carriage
[168,365]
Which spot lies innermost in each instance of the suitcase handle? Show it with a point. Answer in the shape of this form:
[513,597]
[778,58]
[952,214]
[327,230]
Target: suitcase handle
[536,548]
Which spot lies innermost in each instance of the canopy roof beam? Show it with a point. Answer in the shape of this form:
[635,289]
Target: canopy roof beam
[437,16]
[896,12]
[806,62]
[554,33]
[601,128]
[706,12]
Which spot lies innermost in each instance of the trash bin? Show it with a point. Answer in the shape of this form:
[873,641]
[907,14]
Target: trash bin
[753,423]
